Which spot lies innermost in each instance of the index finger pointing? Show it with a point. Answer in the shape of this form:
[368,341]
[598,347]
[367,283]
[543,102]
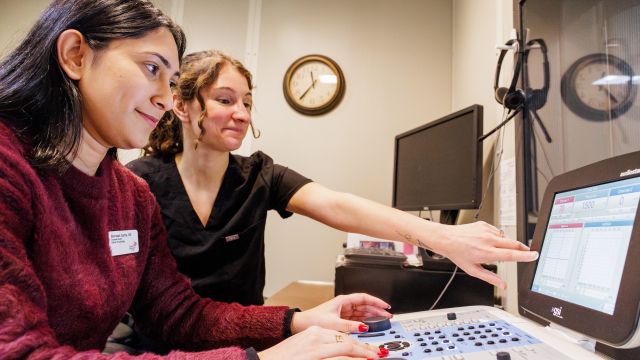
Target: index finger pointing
[515,255]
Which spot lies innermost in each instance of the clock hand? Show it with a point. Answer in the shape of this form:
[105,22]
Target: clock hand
[611,96]
[309,88]
[313,82]
[615,100]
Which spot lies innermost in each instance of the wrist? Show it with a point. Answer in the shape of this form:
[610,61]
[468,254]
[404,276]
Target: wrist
[298,322]
[290,321]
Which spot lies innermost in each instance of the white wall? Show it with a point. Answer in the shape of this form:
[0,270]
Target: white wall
[396,58]
[16,18]
[478,26]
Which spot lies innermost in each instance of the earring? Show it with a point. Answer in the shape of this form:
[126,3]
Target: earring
[255,131]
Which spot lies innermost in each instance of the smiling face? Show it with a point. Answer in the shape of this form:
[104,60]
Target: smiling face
[126,88]
[227,103]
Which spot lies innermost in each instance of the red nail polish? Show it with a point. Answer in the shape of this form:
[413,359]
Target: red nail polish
[363,328]
[381,355]
[384,351]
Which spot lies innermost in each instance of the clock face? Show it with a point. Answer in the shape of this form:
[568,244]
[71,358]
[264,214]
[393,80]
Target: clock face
[313,85]
[599,87]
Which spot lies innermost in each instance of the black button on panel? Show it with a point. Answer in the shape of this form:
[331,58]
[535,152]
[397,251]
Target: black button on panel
[377,323]
[451,316]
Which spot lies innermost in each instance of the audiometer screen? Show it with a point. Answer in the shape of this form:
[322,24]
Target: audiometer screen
[586,242]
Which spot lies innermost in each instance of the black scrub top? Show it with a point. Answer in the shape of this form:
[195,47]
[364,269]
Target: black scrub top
[225,258]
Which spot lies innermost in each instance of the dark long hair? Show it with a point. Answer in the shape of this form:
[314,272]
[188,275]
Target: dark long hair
[37,98]
[198,70]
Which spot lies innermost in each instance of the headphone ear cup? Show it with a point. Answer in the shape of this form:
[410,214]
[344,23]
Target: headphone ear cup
[536,99]
[500,94]
[513,100]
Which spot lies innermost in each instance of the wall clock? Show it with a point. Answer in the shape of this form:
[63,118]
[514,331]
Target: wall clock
[598,87]
[313,85]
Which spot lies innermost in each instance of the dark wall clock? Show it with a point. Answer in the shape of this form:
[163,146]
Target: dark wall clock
[598,87]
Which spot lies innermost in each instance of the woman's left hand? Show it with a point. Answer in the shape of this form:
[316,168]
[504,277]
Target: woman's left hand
[343,313]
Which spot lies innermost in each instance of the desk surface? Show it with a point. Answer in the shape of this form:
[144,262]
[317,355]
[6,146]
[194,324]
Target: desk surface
[302,294]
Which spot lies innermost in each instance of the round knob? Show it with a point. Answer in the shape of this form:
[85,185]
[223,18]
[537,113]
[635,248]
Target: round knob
[503,355]
[377,323]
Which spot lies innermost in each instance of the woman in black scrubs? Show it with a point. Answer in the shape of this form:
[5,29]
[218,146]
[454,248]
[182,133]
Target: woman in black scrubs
[214,204]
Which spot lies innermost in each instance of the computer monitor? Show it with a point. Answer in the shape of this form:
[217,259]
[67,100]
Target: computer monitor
[438,165]
[588,236]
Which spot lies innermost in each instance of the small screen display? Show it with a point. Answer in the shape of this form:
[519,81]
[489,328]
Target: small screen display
[585,244]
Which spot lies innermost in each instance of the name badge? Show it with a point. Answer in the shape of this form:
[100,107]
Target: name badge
[123,242]
[233,237]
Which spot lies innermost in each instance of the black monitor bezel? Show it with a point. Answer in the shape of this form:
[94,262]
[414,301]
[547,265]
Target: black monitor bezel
[477,129]
[613,329]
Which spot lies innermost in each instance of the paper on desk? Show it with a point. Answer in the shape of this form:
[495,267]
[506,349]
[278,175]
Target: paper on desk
[355,240]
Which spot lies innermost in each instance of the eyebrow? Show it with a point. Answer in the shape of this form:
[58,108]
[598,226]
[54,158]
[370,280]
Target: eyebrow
[164,60]
[232,90]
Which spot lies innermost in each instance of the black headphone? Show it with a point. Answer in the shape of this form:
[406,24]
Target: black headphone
[516,99]
[536,98]
[512,98]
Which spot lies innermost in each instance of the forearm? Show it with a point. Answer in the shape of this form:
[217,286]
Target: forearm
[351,213]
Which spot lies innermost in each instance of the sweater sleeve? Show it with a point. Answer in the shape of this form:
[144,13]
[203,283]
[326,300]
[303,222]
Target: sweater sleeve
[166,307]
[25,332]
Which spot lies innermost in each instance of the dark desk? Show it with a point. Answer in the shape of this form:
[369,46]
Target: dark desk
[412,289]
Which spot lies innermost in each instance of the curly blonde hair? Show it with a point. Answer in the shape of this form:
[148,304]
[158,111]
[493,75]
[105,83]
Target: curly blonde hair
[198,70]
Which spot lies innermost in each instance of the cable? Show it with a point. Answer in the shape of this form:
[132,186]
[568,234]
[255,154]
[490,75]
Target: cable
[444,289]
[544,152]
[494,167]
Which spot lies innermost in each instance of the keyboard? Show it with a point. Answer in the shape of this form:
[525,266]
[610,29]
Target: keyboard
[469,333]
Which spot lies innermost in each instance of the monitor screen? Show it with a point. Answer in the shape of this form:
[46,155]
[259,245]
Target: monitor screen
[586,243]
[439,165]
[588,236]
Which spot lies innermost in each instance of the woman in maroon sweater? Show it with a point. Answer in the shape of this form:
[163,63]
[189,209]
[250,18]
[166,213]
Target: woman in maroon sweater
[81,238]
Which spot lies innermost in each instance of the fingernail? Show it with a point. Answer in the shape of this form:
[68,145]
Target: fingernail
[383,351]
[534,256]
[363,328]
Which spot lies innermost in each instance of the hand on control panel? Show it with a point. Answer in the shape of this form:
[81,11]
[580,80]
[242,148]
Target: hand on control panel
[316,343]
[343,313]
[323,331]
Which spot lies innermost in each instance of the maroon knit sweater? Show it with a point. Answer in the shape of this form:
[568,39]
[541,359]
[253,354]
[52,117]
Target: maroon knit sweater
[61,290]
